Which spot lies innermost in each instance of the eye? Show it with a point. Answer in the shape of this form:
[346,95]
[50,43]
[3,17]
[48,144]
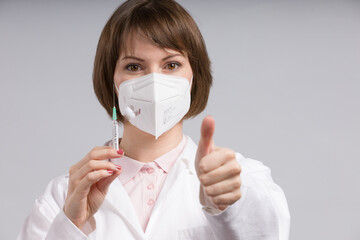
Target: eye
[172,65]
[133,67]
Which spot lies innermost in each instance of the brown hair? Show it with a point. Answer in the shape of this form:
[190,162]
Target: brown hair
[166,24]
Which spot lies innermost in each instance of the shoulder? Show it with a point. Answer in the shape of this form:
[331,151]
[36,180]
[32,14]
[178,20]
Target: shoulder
[252,166]
[248,165]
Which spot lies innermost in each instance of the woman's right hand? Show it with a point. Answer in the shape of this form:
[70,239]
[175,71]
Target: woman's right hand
[89,180]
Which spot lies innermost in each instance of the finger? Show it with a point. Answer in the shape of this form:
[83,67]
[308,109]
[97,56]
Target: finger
[206,143]
[104,183]
[226,171]
[99,153]
[227,198]
[226,186]
[215,159]
[105,153]
[92,177]
[222,207]
[93,165]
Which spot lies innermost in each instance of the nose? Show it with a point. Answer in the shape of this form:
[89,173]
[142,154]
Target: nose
[153,68]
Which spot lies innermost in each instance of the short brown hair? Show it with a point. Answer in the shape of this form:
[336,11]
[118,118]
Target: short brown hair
[167,25]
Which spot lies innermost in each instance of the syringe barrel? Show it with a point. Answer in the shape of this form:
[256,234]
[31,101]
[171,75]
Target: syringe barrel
[115,133]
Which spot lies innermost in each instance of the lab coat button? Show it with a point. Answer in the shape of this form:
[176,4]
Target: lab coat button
[150,170]
[150,186]
[151,202]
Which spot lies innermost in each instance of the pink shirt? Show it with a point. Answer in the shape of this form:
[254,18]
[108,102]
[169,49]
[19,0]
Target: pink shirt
[143,181]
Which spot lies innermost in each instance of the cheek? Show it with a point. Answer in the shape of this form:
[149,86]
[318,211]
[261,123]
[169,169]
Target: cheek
[188,73]
[118,77]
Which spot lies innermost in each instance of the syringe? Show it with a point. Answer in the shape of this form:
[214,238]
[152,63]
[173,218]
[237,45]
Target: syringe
[115,132]
[115,140]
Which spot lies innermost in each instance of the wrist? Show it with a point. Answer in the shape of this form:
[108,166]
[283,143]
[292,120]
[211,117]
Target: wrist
[79,223]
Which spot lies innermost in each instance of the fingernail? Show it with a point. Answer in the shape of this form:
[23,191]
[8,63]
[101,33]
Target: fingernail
[120,152]
[118,167]
[110,172]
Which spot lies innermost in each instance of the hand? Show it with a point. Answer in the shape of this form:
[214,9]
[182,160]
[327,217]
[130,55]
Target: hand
[217,170]
[89,182]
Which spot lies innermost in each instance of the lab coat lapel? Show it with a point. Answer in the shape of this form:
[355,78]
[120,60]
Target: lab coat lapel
[182,166]
[120,200]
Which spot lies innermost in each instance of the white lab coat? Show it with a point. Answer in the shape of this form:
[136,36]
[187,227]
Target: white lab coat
[261,213]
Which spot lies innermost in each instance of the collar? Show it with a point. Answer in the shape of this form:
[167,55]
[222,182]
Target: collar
[131,167]
[187,156]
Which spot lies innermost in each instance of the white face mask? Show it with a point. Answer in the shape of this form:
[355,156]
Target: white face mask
[154,103]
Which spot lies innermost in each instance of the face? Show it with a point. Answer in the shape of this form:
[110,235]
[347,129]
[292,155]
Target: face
[147,58]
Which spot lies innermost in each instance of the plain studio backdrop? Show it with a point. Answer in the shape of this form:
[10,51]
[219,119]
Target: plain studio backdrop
[286,92]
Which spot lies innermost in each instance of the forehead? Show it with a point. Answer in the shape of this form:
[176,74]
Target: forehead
[137,44]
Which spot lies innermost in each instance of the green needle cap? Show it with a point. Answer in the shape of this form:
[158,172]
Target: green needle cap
[114,113]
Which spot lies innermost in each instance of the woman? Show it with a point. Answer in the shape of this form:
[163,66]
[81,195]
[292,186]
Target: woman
[159,184]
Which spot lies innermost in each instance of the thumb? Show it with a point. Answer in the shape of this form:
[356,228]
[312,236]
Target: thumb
[206,143]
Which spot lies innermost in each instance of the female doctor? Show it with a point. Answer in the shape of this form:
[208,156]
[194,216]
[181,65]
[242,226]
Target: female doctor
[159,184]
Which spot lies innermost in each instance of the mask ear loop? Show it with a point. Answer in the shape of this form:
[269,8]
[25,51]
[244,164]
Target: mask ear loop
[190,84]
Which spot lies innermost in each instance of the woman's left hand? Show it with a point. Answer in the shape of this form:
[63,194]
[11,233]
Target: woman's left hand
[217,170]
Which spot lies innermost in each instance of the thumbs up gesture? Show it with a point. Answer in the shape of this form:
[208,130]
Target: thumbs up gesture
[217,170]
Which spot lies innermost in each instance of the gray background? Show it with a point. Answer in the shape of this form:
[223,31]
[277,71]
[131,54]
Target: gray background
[286,92]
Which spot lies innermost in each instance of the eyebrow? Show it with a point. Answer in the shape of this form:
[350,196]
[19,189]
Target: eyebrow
[142,60]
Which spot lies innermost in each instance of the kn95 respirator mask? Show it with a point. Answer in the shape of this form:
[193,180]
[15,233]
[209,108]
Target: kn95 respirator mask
[154,103]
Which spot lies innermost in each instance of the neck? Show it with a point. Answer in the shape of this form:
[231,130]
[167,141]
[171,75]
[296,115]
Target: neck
[144,147]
